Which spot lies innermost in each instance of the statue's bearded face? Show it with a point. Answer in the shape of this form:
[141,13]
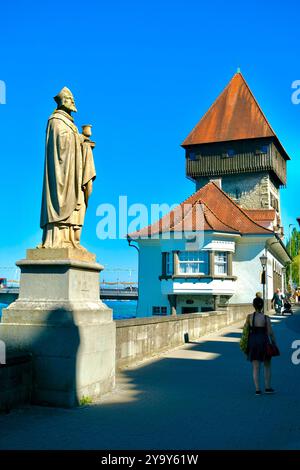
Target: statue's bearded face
[69,103]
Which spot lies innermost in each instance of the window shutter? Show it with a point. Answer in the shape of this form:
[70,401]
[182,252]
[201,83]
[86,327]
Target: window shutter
[163,267]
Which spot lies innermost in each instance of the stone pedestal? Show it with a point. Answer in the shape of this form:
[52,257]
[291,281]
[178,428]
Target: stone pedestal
[61,320]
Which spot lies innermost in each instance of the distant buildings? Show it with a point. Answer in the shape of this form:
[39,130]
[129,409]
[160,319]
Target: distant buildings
[238,165]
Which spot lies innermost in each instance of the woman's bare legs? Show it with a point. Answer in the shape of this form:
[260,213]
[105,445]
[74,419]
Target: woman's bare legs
[256,370]
[267,373]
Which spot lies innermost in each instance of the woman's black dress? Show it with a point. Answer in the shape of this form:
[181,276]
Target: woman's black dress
[257,343]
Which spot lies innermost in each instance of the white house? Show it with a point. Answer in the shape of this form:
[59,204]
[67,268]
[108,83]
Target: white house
[205,254]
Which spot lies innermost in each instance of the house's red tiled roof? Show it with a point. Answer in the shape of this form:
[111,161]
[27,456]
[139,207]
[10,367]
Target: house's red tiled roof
[209,209]
[234,115]
[261,214]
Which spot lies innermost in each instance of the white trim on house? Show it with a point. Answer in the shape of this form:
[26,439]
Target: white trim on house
[220,245]
[213,287]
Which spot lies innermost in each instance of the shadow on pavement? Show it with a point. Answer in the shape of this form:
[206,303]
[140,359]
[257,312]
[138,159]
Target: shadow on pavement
[200,396]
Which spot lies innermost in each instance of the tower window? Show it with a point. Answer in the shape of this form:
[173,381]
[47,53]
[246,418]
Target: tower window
[237,193]
[229,153]
[262,150]
[274,202]
[192,156]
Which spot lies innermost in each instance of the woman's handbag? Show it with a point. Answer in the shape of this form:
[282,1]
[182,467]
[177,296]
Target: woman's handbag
[245,338]
[272,349]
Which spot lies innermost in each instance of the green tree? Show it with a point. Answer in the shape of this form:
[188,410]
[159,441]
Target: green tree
[293,247]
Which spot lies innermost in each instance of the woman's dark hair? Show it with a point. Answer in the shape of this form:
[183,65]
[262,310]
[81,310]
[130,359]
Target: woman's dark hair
[258,303]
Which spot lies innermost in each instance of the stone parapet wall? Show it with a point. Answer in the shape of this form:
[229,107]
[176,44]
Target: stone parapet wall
[137,340]
[142,338]
[15,380]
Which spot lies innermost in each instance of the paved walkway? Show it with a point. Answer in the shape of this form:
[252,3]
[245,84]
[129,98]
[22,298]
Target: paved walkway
[200,396]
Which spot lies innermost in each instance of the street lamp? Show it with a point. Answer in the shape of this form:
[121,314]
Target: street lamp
[264,260]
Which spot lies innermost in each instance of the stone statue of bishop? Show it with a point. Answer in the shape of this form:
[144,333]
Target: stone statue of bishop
[68,177]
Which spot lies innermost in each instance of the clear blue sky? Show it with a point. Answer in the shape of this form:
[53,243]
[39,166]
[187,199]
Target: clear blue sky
[143,73]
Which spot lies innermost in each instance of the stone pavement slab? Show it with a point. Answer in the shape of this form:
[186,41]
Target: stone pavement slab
[199,396]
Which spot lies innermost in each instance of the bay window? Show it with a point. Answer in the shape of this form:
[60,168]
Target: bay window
[221,262]
[193,262]
[201,263]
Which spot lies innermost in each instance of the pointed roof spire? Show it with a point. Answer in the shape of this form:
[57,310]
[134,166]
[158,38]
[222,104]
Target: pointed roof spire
[235,115]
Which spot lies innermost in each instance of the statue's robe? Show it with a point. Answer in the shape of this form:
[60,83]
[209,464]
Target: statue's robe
[69,166]
[89,172]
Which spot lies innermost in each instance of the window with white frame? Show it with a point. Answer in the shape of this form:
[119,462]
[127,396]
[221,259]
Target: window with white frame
[169,264]
[193,262]
[221,262]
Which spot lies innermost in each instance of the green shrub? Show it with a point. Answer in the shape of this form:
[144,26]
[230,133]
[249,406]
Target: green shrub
[85,401]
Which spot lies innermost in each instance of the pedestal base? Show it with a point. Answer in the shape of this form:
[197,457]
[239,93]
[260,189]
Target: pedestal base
[69,330]
[60,253]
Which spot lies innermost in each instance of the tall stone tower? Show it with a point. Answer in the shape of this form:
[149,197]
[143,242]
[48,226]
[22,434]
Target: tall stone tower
[235,145]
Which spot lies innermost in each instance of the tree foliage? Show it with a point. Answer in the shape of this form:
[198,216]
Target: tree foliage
[293,247]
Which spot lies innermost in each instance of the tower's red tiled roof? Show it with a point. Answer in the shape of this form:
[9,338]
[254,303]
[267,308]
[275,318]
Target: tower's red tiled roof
[261,214]
[234,115]
[209,209]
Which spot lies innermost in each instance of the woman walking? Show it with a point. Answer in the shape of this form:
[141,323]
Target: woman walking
[259,334]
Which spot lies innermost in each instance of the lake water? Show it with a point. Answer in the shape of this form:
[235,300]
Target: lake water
[1,307]
[122,309]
